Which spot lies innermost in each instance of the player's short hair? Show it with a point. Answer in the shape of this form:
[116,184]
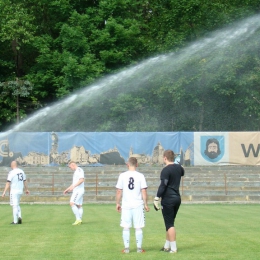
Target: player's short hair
[169,154]
[70,162]
[132,161]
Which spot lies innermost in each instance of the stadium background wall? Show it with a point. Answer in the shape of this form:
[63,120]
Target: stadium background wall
[114,148]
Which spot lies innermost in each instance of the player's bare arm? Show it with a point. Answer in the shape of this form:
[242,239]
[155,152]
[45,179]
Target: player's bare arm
[26,187]
[69,189]
[81,180]
[144,196]
[118,199]
[7,186]
[72,186]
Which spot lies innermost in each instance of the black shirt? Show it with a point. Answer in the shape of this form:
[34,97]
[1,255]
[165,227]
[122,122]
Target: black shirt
[170,181]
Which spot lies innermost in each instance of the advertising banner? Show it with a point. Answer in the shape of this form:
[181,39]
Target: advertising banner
[114,148]
[244,148]
[109,148]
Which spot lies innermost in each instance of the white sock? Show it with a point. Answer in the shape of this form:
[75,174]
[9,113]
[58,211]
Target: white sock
[80,212]
[167,244]
[173,246]
[76,212]
[15,213]
[126,237]
[139,237]
[19,212]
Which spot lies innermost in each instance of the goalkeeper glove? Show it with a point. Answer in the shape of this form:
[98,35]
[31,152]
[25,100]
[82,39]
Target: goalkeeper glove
[156,203]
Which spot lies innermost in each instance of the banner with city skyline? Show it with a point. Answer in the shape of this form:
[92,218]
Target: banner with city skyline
[114,148]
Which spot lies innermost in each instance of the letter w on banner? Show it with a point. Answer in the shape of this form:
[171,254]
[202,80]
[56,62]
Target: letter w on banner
[244,148]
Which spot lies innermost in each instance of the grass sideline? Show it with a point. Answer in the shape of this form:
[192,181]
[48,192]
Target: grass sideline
[204,231]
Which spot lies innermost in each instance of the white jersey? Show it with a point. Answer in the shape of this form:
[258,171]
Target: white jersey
[131,182]
[16,177]
[78,174]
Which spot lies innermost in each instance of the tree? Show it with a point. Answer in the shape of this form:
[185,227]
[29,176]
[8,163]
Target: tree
[18,89]
[62,46]
[17,30]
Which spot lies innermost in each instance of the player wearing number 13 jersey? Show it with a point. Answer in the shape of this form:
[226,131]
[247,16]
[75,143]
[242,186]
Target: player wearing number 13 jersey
[16,181]
[131,186]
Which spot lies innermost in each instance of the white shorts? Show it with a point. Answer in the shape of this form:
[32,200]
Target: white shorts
[135,216]
[15,199]
[77,197]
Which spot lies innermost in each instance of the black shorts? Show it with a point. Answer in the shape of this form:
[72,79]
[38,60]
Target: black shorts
[170,210]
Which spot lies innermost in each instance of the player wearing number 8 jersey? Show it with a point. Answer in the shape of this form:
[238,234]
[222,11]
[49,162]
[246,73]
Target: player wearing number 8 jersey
[16,181]
[132,186]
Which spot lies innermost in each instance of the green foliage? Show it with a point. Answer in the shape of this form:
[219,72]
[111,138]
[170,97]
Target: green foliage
[128,113]
[16,23]
[63,46]
[12,102]
[17,88]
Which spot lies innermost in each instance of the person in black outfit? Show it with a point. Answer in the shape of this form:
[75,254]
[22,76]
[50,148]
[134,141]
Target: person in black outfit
[169,194]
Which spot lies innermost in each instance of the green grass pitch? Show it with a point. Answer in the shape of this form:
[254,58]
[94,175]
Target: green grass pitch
[204,231]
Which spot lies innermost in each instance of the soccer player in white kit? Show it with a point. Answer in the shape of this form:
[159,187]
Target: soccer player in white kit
[77,188]
[16,181]
[132,185]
